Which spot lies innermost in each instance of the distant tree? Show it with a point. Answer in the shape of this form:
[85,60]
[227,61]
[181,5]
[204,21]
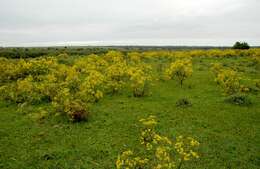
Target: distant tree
[241,45]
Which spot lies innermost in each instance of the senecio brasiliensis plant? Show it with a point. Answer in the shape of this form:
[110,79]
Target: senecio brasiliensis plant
[181,69]
[160,152]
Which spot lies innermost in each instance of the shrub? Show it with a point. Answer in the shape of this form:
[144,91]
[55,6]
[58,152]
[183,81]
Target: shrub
[115,76]
[216,68]
[90,63]
[24,90]
[239,99]
[241,45]
[65,104]
[77,111]
[183,102]
[180,69]
[229,81]
[91,89]
[159,151]
[257,83]
[134,57]
[140,79]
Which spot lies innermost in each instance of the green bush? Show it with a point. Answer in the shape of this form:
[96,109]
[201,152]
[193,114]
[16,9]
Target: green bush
[239,99]
[183,102]
[241,45]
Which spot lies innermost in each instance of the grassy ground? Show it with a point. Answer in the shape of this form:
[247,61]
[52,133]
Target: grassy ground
[229,134]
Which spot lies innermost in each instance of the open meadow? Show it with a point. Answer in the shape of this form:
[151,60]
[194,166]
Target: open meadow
[131,109]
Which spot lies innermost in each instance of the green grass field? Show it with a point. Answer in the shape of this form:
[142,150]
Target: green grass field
[228,133]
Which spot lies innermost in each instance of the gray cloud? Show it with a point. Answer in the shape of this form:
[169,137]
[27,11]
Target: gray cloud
[148,22]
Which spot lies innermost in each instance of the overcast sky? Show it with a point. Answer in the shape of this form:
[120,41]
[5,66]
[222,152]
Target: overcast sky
[115,22]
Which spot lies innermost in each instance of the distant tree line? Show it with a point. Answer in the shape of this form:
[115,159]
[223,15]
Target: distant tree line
[32,52]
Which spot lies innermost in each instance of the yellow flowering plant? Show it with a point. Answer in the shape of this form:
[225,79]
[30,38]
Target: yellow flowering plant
[90,63]
[91,90]
[229,81]
[140,79]
[160,152]
[115,76]
[181,69]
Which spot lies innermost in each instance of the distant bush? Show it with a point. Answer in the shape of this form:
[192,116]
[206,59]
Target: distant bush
[239,99]
[241,45]
[183,102]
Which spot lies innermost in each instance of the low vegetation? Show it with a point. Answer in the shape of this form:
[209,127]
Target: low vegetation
[81,111]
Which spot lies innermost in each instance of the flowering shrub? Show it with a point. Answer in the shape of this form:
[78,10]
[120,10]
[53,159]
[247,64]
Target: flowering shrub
[114,57]
[134,57]
[216,68]
[140,79]
[65,104]
[180,69]
[24,90]
[89,63]
[115,76]
[14,70]
[160,151]
[91,89]
[229,81]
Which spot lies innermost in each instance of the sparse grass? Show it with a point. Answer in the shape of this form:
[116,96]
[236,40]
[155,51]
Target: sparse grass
[228,133]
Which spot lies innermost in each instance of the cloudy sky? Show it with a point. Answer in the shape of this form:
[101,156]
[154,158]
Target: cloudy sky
[129,22]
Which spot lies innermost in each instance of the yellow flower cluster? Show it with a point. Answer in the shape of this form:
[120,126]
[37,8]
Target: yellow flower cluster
[134,57]
[184,147]
[160,151]
[216,68]
[163,155]
[89,63]
[14,70]
[115,76]
[90,89]
[127,160]
[114,57]
[180,69]
[229,81]
[140,79]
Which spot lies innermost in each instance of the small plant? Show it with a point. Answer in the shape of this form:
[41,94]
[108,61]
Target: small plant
[257,83]
[183,102]
[239,99]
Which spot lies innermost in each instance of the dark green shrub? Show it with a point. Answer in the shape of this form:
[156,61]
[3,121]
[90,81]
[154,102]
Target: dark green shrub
[241,45]
[183,102]
[239,99]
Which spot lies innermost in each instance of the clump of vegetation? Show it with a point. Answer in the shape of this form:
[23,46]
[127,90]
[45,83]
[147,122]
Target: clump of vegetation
[180,69]
[229,81]
[257,83]
[183,102]
[77,111]
[159,151]
[241,45]
[140,79]
[239,99]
